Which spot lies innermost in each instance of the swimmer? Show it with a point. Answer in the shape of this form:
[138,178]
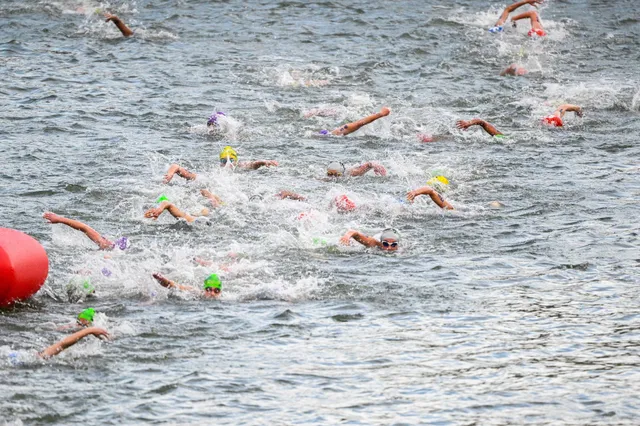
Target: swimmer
[84,319]
[71,340]
[488,127]
[555,119]
[126,31]
[212,285]
[213,119]
[536,26]
[389,239]
[499,26]
[352,127]
[228,158]
[435,195]
[290,195]
[513,69]
[155,212]
[102,242]
[337,169]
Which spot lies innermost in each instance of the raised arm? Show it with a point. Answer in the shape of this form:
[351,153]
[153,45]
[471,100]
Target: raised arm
[435,196]
[364,168]
[359,237]
[165,282]
[93,235]
[564,108]
[254,165]
[155,212]
[126,31]
[488,127]
[213,198]
[352,127]
[505,14]
[174,169]
[71,340]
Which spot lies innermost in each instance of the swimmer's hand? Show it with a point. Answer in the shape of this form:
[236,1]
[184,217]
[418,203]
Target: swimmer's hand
[110,17]
[346,238]
[98,332]
[378,169]
[164,282]
[464,125]
[291,195]
[385,111]
[411,195]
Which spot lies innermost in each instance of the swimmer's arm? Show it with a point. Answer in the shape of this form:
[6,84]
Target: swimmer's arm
[532,15]
[291,195]
[364,168]
[435,196]
[359,237]
[154,213]
[126,31]
[564,108]
[254,165]
[71,340]
[514,6]
[174,169]
[488,127]
[213,198]
[165,282]
[93,235]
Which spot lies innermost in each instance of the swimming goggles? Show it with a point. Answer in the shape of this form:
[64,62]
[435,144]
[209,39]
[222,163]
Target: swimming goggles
[388,244]
[224,161]
[212,289]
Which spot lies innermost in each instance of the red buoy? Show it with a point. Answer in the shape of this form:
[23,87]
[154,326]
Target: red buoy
[24,266]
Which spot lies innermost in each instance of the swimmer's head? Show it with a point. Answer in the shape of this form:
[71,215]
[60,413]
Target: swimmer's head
[552,120]
[122,243]
[212,286]
[390,239]
[228,156]
[85,318]
[438,180]
[538,32]
[336,169]
[88,287]
[213,119]
[344,204]
[496,29]
[161,198]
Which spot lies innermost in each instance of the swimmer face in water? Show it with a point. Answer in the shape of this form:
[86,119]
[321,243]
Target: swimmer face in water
[212,293]
[389,239]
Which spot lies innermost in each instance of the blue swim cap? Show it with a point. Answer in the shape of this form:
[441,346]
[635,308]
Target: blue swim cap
[496,29]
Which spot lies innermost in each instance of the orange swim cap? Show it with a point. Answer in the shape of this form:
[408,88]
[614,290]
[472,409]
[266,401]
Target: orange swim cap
[344,204]
[552,120]
[536,31]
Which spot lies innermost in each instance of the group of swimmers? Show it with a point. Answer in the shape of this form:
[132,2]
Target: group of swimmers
[387,240]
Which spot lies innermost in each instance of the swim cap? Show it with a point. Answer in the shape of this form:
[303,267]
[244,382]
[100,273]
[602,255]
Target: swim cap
[344,204]
[122,243]
[324,132]
[496,29]
[552,120]
[106,272]
[390,234]
[212,281]
[499,136]
[87,314]
[438,180]
[537,32]
[161,198]
[228,152]
[88,287]
[213,119]
[336,166]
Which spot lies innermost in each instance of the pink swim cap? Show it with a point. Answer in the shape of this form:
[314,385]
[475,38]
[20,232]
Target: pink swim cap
[536,31]
[344,204]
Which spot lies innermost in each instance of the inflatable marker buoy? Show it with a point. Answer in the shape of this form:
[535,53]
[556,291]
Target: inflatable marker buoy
[24,266]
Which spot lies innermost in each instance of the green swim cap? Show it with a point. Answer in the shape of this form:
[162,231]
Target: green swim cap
[499,136]
[161,198]
[87,314]
[213,281]
[88,287]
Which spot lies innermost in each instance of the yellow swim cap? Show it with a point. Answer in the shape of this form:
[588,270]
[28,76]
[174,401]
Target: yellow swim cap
[436,180]
[227,151]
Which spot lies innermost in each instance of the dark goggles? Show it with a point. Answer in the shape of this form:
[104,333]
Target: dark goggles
[388,244]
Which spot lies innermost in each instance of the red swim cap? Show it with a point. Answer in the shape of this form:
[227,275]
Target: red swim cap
[344,204]
[536,31]
[552,120]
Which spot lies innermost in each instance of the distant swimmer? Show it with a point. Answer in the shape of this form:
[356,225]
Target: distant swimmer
[228,159]
[102,242]
[555,119]
[212,286]
[352,127]
[488,127]
[428,190]
[336,169]
[513,69]
[155,212]
[212,122]
[126,31]
[499,26]
[388,240]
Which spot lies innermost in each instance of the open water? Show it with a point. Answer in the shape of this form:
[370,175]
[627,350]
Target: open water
[525,314]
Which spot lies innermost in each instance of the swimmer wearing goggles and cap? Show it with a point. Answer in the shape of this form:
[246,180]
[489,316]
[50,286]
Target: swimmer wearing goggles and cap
[486,126]
[228,159]
[428,190]
[389,239]
[336,169]
[555,119]
[348,128]
[102,242]
[499,26]
[211,289]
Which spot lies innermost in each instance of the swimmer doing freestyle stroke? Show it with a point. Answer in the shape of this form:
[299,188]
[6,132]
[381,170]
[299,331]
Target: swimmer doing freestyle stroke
[349,128]
[212,287]
[389,239]
[536,26]
[102,242]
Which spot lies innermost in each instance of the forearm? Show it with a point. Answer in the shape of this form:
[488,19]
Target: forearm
[562,109]
[488,127]
[360,170]
[182,172]
[436,198]
[517,5]
[290,195]
[363,239]
[63,344]
[126,31]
